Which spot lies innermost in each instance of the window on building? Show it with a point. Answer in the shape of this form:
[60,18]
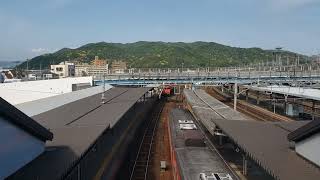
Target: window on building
[59,69]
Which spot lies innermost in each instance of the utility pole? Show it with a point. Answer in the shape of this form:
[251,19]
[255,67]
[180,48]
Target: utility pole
[27,64]
[27,68]
[182,67]
[274,105]
[278,56]
[235,96]
[210,61]
[41,70]
[103,89]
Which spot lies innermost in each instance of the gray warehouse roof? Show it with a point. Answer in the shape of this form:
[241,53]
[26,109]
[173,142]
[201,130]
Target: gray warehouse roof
[77,125]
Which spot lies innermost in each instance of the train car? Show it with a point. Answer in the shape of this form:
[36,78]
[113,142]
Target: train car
[167,91]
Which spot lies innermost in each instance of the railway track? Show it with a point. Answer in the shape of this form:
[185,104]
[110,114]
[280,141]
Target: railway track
[260,113]
[208,139]
[253,111]
[209,105]
[142,162]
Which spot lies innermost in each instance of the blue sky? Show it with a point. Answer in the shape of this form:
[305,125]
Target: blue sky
[32,27]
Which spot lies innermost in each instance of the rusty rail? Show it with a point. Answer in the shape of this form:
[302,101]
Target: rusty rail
[143,158]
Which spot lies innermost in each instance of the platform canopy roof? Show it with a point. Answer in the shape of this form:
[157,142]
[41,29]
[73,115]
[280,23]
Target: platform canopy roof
[268,145]
[305,131]
[301,92]
[76,127]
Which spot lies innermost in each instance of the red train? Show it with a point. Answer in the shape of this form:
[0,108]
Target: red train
[167,91]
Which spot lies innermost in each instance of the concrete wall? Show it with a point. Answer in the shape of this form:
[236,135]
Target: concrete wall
[17,148]
[20,92]
[310,148]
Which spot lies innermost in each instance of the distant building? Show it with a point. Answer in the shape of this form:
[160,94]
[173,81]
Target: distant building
[99,62]
[315,59]
[64,69]
[97,70]
[26,91]
[42,74]
[6,75]
[32,77]
[118,67]
[49,75]
[81,69]
[2,78]
[98,67]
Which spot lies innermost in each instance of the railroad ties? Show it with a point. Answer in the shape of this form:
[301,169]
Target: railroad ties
[144,156]
[253,111]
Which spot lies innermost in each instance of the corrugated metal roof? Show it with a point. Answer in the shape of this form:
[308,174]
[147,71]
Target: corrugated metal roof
[268,145]
[305,131]
[63,115]
[265,142]
[76,126]
[292,91]
[290,126]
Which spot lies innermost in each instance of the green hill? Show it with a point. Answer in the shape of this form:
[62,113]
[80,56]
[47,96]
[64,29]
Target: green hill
[158,54]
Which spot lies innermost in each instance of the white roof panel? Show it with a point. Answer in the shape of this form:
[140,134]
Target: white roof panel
[292,91]
[33,108]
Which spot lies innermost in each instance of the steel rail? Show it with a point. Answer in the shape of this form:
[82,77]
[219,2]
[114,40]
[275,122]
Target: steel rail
[211,146]
[152,124]
[139,151]
[209,105]
[150,147]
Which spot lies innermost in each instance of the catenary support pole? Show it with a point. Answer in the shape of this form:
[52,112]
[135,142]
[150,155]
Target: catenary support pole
[235,96]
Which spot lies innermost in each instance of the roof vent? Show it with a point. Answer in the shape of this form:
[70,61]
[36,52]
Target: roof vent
[292,145]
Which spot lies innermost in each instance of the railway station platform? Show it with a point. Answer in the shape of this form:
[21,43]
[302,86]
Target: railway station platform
[265,143]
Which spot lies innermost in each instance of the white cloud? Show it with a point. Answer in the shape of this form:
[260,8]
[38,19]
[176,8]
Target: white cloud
[39,50]
[74,46]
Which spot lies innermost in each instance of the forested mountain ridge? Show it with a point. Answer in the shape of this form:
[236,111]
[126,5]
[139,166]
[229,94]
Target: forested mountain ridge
[144,54]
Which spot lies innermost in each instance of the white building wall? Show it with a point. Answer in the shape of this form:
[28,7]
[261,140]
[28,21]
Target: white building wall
[20,92]
[81,68]
[33,108]
[310,148]
[17,148]
[64,69]
[63,72]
